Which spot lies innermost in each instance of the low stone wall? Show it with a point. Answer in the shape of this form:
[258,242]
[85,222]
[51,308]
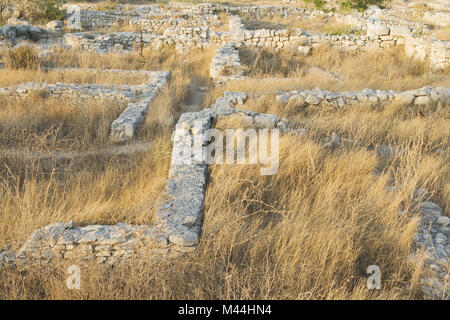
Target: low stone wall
[124,128]
[12,33]
[436,51]
[98,19]
[255,10]
[433,237]
[422,96]
[154,25]
[125,41]
[101,43]
[78,91]
[378,36]
[97,242]
[149,22]
[226,64]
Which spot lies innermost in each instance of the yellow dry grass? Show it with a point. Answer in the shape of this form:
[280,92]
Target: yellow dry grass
[10,78]
[38,122]
[334,70]
[318,24]
[308,232]
[97,189]
[442,34]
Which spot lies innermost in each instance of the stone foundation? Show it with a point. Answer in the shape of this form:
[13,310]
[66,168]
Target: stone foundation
[124,128]
[418,97]
[226,64]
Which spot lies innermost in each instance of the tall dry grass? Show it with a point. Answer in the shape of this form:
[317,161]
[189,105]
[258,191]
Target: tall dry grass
[318,24]
[41,122]
[308,232]
[10,78]
[424,130]
[383,70]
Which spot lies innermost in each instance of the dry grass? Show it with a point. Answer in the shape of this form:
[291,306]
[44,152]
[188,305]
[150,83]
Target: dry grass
[45,123]
[442,34]
[318,24]
[384,70]
[10,77]
[424,132]
[308,232]
[97,189]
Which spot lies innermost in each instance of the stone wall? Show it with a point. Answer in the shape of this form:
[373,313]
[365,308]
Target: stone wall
[97,19]
[124,128]
[294,38]
[226,64]
[317,97]
[153,25]
[125,41]
[78,91]
[97,242]
[436,51]
[148,22]
[433,237]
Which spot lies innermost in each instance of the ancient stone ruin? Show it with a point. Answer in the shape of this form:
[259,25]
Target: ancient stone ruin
[177,228]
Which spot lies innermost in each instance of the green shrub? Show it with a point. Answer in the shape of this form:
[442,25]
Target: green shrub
[362,5]
[317,3]
[52,10]
[40,10]
[22,58]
